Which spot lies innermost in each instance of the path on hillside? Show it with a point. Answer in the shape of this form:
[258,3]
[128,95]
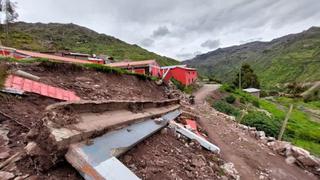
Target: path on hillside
[251,158]
[202,93]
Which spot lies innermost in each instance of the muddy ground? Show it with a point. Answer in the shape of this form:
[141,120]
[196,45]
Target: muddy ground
[167,156]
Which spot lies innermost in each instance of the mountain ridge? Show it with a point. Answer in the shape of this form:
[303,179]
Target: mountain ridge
[270,60]
[59,36]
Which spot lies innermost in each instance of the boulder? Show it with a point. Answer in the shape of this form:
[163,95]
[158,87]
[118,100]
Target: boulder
[281,147]
[290,160]
[297,152]
[308,161]
[260,135]
[231,170]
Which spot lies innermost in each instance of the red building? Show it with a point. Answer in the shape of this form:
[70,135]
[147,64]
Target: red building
[149,67]
[183,74]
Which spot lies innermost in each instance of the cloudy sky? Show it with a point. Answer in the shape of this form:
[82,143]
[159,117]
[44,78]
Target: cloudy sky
[179,28]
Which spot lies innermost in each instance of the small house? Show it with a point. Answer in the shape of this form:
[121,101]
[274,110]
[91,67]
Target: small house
[253,91]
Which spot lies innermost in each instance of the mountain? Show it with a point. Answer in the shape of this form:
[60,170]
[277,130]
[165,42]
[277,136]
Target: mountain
[292,58]
[54,37]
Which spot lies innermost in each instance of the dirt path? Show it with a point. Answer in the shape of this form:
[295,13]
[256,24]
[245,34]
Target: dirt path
[202,93]
[251,158]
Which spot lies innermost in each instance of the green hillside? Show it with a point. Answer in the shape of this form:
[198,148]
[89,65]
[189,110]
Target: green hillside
[54,37]
[292,58]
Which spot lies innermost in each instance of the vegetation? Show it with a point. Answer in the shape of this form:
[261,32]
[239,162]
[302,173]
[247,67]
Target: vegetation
[226,108]
[268,115]
[186,89]
[248,78]
[292,58]
[262,122]
[3,75]
[230,99]
[60,37]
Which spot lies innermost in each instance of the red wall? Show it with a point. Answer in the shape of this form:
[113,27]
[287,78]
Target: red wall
[140,71]
[183,75]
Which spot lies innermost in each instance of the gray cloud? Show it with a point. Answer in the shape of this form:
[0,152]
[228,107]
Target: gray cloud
[147,42]
[211,44]
[161,31]
[179,23]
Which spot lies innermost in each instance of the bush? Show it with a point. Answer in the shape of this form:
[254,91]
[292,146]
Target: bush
[226,108]
[227,88]
[230,99]
[262,122]
[3,75]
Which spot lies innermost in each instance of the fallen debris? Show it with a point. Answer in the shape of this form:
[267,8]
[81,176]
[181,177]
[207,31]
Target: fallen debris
[100,155]
[166,156]
[206,144]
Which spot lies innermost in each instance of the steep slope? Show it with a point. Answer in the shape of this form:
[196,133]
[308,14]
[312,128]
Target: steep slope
[294,57]
[54,36]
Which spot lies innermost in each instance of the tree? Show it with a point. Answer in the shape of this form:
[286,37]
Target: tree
[248,78]
[9,9]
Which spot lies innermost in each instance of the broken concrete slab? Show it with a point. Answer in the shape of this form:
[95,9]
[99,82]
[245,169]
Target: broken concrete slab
[93,160]
[203,142]
[107,116]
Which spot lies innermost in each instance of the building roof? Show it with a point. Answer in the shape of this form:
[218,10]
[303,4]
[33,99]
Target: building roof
[251,90]
[187,68]
[132,63]
[51,57]
[174,66]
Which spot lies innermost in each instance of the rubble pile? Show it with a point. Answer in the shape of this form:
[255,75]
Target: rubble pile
[292,154]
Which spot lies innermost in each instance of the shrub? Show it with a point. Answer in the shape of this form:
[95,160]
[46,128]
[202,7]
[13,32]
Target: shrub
[227,88]
[262,122]
[3,74]
[226,108]
[230,99]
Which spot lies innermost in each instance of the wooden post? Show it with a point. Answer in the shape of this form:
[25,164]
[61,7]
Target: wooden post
[284,125]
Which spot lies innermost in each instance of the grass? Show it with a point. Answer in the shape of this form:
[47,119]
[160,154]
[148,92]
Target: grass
[3,75]
[301,129]
[78,39]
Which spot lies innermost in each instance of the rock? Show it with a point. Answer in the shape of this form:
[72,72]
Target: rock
[308,161]
[32,149]
[6,175]
[297,152]
[4,155]
[252,128]
[230,170]
[290,160]
[280,146]
[270,139]
[232,118]
[260,134]
[244,127]
[198,161]
[164,131]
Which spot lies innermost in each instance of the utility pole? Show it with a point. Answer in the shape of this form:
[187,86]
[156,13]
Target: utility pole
[240,85]
[284,125]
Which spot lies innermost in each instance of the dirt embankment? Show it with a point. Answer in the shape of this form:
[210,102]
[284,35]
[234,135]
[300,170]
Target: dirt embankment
[20,116]
[92,85]
[165,156]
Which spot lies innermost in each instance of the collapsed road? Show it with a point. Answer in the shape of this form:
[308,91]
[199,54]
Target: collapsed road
[39,129]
